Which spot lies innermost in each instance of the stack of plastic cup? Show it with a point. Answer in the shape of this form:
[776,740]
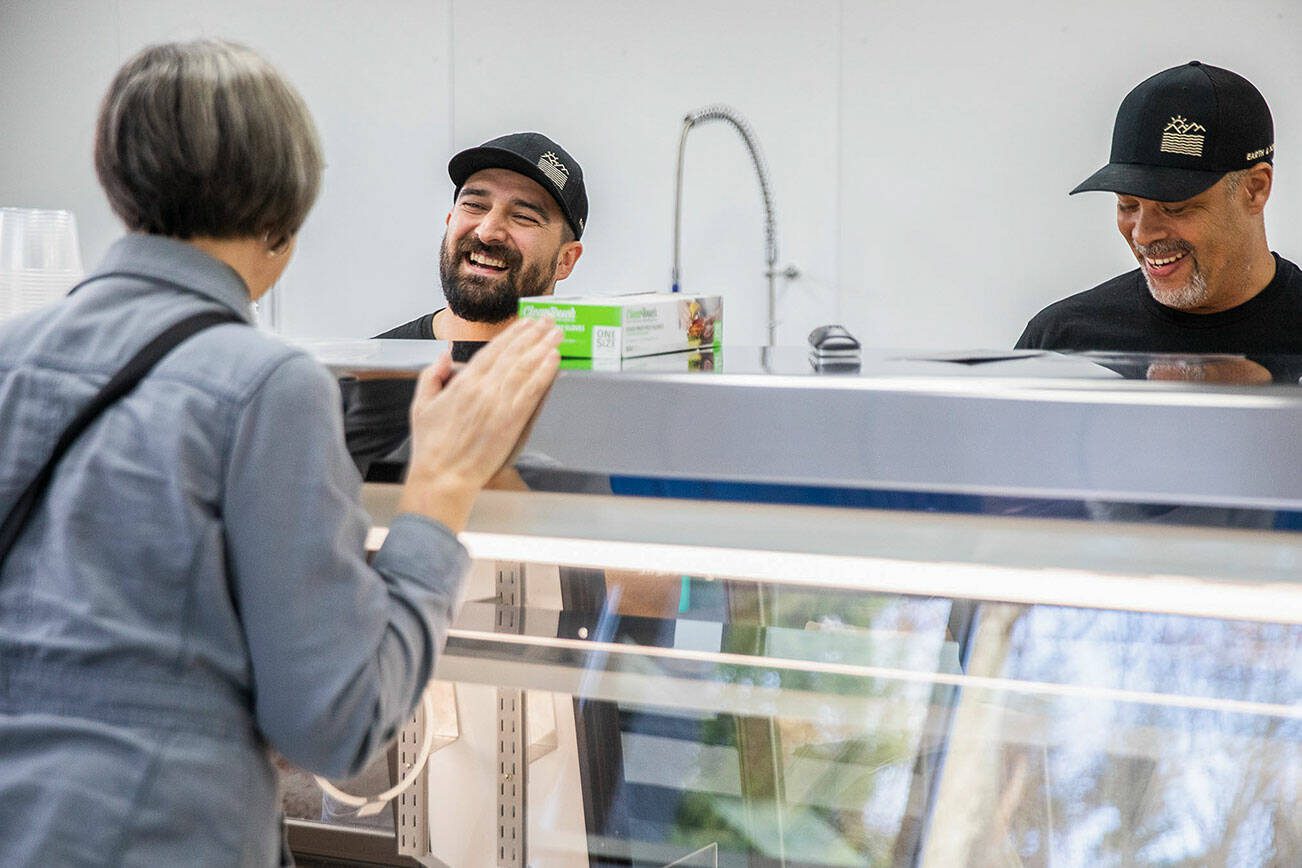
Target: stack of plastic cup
[40,258]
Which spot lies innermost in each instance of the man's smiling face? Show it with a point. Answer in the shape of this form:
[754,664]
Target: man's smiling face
[506,239]
[1193,254]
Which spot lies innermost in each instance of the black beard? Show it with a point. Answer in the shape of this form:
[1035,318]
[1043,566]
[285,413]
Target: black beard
[475,298]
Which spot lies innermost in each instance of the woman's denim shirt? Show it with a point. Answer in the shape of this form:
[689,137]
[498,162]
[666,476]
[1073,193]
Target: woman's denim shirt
[193,587]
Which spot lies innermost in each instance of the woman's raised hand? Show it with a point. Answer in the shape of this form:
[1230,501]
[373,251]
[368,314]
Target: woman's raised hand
[465,427]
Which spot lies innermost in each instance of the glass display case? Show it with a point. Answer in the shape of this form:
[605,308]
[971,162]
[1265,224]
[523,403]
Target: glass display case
[1015,609]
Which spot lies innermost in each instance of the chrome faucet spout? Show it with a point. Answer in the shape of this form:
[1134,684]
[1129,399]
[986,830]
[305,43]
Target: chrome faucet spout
[719,112]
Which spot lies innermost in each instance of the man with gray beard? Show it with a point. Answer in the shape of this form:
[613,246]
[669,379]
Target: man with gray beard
[1191,167]
[518,214]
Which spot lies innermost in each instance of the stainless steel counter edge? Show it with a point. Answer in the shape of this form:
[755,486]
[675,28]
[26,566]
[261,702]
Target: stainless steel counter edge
[1025,438]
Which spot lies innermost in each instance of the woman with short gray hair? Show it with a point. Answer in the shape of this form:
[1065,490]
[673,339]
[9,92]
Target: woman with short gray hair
[182,576]
[206,139]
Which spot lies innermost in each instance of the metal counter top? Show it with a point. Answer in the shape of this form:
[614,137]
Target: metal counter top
[1029,425]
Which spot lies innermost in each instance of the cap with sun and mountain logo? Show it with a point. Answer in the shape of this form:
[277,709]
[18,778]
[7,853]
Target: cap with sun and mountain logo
[534,156]
[1181,131]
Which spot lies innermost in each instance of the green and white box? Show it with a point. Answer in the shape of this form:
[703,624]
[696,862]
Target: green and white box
[620,326]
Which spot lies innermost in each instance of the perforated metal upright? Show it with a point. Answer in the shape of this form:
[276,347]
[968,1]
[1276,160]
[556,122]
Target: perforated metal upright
[512,761]
[411,815]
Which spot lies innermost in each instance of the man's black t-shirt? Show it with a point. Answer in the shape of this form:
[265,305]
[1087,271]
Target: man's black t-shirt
[419,329]
[376,426]
[1121,315]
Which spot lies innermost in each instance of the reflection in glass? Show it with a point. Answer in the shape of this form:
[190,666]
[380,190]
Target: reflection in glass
[1206,772]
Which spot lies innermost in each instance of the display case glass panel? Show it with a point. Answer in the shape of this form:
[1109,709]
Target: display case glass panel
[929,609]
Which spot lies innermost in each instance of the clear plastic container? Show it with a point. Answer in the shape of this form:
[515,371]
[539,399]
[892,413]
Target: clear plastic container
[40,258]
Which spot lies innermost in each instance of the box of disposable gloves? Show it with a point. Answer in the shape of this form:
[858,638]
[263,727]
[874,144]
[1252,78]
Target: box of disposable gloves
[641,324]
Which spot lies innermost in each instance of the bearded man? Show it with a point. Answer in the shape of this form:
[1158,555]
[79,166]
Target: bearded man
[518,212]
[1191,166]
[517,216]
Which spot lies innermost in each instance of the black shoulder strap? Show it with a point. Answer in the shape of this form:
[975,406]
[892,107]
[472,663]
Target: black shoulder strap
[122,382]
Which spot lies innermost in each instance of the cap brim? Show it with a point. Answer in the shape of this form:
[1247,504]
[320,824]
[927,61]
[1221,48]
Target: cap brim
[468,162]
[1160,183]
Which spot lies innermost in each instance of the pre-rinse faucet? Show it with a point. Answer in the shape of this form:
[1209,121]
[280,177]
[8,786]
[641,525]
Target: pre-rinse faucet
[719,112]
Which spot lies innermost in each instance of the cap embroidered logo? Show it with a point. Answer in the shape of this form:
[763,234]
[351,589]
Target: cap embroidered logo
[554,169]
[1178,137]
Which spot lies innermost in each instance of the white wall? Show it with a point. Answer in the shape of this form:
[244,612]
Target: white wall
[920,151]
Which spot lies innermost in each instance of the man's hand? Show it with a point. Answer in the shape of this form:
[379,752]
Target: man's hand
[464,428]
